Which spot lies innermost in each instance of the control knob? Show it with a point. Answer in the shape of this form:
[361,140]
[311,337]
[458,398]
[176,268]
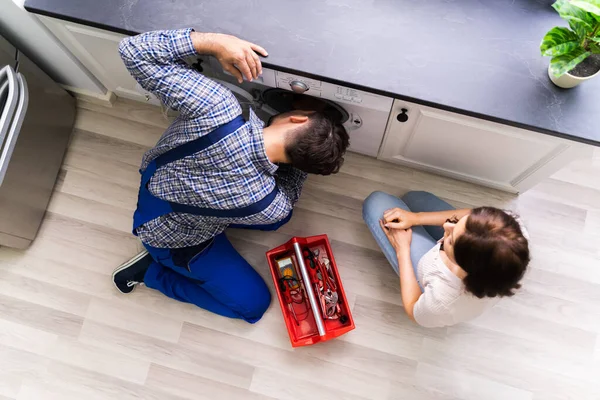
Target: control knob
[299,86]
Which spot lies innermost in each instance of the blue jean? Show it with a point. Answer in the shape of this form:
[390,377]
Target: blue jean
[216,278]
[423,237]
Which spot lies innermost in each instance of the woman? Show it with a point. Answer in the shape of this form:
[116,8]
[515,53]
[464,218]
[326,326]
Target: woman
[453,264]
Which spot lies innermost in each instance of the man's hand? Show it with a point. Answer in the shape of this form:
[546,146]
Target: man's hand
[237,56]
[400,239]
[397,218]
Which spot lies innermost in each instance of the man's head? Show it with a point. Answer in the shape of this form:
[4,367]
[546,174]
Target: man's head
[312,141]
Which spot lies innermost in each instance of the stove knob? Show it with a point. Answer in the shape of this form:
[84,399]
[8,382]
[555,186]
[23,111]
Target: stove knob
[402,117]
[299,87]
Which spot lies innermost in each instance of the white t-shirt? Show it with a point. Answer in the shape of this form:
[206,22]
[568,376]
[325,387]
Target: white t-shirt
[444,300]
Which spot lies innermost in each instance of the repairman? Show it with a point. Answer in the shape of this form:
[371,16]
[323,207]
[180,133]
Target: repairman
[212,170]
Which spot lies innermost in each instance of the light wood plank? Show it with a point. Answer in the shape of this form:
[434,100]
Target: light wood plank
[46,295]
[50,248]
[384,364]
[385,327]
[92,211]
[39,317]
[506,370]
[293,364]
[36,389]
[92,144]
[592,222]
[551,334]
[175,356]
[560,361]
[66,378]
[112,126]
[57,273]
[83,234]
[81,184]
[102,167]
[466,386]
[131,110]
[566,263]
[18,366]
[284,387]
[92,358]
[577,315]
[135,319]
[23,337]
[192,387]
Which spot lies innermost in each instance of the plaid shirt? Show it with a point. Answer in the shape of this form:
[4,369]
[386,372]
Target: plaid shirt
[233,173]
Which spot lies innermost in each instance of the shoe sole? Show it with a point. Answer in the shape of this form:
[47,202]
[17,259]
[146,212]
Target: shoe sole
[126,265]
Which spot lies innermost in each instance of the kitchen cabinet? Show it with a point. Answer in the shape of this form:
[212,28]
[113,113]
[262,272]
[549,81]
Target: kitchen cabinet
[475,150]
[98,51]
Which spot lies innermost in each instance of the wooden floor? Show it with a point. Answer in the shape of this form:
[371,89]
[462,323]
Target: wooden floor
[65,332]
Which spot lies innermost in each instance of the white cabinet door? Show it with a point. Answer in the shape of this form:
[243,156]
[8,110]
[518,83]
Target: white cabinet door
[472,149]
[98,50]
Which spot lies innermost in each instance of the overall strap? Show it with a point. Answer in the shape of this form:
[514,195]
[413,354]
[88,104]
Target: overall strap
[251,209]
[151,207]
[194,146]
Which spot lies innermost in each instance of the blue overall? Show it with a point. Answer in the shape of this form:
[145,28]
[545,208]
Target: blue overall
[213,276]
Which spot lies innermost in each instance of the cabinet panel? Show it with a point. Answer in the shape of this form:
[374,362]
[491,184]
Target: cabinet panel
[474,150]
[472,147]
[98,51]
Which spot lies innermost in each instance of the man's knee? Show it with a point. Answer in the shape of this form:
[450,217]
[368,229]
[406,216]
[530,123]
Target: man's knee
[255,302]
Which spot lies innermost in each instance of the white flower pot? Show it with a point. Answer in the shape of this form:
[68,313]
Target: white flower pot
[567,81]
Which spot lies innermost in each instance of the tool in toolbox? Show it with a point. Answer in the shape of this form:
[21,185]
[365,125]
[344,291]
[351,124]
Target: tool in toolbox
[324,283]
[310,294]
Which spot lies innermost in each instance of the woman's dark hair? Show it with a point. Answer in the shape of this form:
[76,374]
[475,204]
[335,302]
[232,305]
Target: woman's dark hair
[493,252]
[318,146]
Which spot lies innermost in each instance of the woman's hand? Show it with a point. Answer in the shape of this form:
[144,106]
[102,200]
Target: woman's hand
[237,56]
[397,218]
[399,238]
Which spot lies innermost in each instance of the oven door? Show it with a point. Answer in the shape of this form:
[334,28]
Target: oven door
[250,97]
[283,101]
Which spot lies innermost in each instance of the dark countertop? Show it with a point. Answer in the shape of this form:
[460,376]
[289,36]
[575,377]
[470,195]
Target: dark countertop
[476,57]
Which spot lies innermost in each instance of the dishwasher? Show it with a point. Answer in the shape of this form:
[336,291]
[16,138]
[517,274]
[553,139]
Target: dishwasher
[36,121]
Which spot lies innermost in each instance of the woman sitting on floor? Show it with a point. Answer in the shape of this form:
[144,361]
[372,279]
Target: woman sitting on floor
[453,264]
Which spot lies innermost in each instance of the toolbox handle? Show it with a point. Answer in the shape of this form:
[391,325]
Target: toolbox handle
[314,305]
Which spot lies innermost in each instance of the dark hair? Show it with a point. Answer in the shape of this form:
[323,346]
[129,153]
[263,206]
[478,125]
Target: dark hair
[318,146]
[493,252]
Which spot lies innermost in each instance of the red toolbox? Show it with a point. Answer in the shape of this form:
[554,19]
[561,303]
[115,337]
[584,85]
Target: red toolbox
[310,291]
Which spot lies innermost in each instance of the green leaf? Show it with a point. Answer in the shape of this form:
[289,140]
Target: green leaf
[559,40]
[579,27]
[566,62]
[580,21]
[591,6]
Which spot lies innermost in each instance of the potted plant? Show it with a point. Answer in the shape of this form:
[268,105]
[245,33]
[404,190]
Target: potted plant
[575,51]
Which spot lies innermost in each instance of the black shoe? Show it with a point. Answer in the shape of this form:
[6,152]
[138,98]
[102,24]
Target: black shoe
[131,273]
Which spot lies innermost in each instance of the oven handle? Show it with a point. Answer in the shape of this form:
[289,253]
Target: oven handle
[9,81]
[15,129]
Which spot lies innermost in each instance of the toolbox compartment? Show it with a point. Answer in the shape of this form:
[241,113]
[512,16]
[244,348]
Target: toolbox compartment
[304,318]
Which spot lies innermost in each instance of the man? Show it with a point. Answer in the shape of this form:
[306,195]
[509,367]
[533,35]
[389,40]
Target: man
[211,170]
